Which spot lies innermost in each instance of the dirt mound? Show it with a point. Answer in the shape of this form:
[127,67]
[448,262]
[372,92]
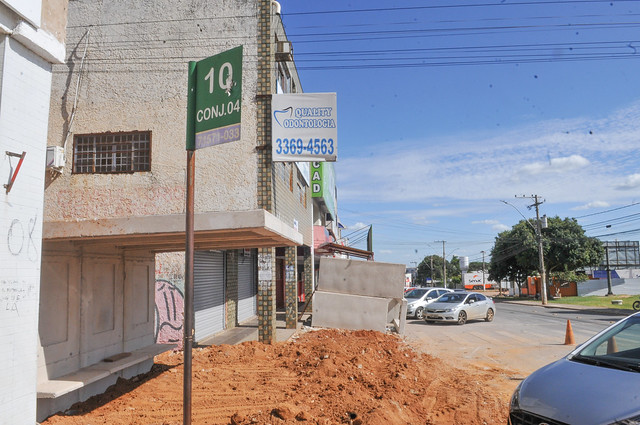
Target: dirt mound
[320,377]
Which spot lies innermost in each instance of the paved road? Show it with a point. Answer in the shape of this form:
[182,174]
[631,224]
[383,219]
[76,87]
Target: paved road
[522,338]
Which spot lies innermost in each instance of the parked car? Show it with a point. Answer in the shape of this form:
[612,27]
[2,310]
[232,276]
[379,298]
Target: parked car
[597,383]
[418,298]
[458,307]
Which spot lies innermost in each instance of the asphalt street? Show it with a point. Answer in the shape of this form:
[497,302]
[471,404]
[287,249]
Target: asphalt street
[522,337]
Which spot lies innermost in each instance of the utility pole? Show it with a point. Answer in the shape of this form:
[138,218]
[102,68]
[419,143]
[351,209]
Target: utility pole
[444,266]
[431,269]
[538,229]
[606,250]
[483,286]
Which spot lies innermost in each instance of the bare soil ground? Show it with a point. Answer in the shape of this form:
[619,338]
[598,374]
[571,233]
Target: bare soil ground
[319,377]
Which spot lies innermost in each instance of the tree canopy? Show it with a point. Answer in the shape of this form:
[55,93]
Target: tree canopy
[566,249]
[424,270]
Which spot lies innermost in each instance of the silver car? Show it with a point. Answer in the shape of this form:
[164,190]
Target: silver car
[458,307]
[418,298]
[598,383]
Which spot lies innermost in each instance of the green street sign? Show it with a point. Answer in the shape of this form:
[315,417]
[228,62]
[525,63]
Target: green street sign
[215,100]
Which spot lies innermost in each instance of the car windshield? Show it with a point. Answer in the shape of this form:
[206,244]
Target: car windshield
[452,298]
[619,346]
[415,293]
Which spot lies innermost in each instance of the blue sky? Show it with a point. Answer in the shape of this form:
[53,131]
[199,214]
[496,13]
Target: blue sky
[447,107]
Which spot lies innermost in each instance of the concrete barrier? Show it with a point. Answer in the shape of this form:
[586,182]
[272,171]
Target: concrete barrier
[354,294]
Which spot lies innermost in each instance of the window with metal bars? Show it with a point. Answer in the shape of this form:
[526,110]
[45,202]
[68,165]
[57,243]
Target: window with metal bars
[126,152]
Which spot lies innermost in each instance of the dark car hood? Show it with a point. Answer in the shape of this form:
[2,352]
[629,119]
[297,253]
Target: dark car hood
[578,393]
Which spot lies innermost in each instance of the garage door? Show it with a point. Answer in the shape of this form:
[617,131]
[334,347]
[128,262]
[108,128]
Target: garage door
[208,293]
[246,286]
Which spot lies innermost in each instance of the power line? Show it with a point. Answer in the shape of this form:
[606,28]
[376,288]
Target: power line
[609,210]
[456,6]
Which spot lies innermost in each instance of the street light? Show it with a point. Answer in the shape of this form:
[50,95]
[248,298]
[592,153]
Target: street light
[538,233]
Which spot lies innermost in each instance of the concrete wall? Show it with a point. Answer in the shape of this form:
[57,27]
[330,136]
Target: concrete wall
[354,294]
[96,300]
[618,286]
[95,304]
[26,53]
[368,278]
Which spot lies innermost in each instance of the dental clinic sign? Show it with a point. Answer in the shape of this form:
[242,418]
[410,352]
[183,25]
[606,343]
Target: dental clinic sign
[304,127]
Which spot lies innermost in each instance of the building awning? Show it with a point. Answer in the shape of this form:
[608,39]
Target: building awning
[212,230]
[330,248]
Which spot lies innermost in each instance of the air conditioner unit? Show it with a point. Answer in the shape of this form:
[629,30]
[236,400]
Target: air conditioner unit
[55,158]
[284,51]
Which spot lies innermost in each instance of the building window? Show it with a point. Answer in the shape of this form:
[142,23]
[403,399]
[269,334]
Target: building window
[112,152]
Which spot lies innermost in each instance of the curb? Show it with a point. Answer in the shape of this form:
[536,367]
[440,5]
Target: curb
[615,311]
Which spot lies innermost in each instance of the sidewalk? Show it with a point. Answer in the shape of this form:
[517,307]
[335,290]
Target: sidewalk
[248,331]
[607,310]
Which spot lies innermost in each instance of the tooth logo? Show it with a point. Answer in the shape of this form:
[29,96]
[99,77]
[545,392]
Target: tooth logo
[288,112]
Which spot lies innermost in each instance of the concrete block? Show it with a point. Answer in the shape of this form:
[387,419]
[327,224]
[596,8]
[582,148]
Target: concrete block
[356,277]
[344,311]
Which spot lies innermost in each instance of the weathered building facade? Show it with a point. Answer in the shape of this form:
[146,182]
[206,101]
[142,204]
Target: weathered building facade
[115,213]
[32,34]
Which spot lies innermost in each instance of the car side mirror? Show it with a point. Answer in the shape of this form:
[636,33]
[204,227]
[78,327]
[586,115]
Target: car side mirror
[471,301]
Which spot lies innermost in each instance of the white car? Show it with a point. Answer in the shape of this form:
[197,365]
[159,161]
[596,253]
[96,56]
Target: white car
[418,298]
[458,307]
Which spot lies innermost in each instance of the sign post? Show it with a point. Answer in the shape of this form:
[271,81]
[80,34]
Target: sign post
[213,117]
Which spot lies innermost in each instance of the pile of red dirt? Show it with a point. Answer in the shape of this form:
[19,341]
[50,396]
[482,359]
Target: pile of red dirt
[320,377]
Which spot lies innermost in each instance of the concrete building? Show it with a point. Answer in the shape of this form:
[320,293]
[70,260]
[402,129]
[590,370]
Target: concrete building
[32,34]
[115,210]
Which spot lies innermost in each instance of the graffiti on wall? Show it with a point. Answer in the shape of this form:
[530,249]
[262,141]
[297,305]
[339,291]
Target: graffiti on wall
[169,313]
[20,239]
[14,293]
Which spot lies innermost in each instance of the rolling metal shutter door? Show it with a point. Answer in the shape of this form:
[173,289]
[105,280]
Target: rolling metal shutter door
[208,293]
[246,287]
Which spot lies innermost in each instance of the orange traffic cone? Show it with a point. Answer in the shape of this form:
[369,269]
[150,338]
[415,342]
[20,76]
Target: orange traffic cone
[569,339]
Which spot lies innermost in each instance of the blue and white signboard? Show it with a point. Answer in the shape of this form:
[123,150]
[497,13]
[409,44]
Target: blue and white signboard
[304,127]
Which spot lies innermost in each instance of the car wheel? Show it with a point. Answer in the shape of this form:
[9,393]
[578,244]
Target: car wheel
[419,313]
[636,305]
[462,318]
[490,315]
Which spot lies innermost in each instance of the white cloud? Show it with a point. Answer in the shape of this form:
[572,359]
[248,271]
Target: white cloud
[359,225]
[556,165]
[591,205]
[490,222]
[500,227]
[495,225]
[631,182]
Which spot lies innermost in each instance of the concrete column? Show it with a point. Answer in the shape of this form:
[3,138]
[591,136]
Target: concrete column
[308,277]
[291,286]
[267,295]
[231,293]
[266,256]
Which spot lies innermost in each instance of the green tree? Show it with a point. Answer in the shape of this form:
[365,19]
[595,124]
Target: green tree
[565,247]
[504,261]
[424,270]
[476,266]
